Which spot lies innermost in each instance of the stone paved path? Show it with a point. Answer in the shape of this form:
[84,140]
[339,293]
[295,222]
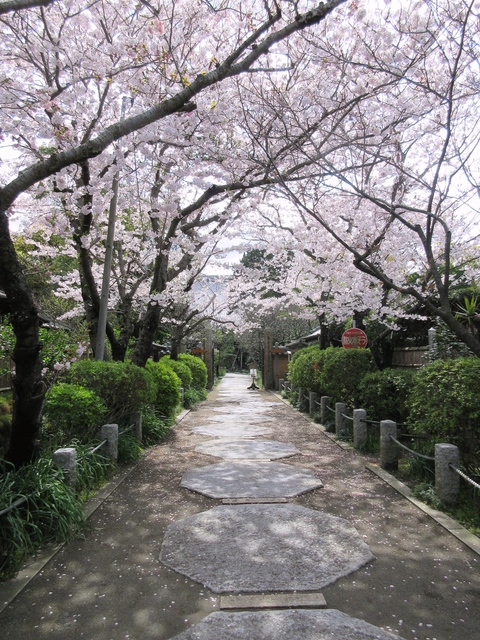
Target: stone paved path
[422,585]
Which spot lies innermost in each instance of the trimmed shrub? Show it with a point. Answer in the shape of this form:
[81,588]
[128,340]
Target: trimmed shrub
[444,404]
[342,371]
[181,369]
[383,394]
[305,368]
[198,369]
[167,384]
[73,411]
[122,386]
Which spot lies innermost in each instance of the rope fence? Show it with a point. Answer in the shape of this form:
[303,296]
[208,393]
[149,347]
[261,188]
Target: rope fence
[446,459]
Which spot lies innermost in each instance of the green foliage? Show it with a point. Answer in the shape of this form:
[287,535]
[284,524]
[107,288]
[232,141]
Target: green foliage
[73,411]
[167,385]
[444,404]
[305,368]
[93,468]
[155,429]
[129,448]
[342,371]
[53,512]
[193,396]
[123,387]
[198,369]
[181,369]
[383,394]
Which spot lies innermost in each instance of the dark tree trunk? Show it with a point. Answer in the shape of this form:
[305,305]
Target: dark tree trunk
[28,385]
[149,327]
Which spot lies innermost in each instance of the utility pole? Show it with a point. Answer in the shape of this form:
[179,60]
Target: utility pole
[107,266]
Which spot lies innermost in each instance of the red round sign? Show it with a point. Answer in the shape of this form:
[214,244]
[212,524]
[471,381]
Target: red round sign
[354,339]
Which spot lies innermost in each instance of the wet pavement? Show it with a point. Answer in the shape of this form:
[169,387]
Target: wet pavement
[383,566]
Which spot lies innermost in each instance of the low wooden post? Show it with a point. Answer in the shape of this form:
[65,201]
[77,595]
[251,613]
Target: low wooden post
[447,481]
[324,400]
[340,408]
[66,459]
[312,403]
[359,428]
[109,432]
[388,448]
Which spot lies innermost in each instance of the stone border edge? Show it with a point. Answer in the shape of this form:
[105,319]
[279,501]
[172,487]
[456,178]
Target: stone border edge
[10,589]
[451,525]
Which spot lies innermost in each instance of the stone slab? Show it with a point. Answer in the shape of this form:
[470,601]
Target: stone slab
[231,431]
[264,547]
[250,479]
[274,601]
[247,449]
[254,500]
[328,624]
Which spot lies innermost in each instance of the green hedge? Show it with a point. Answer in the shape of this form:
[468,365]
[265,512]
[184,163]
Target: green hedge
[383,394]
[73,411]
[444,404]
[123,387]
[181,369]
[198,369]
[167,384]
[335,372]
[342,372]
[305,368]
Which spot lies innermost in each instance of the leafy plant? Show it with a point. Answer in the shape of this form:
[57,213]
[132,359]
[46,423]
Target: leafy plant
[167,388]
[181,369]
[342,372]
[198,369]
[383,394]
[155,429]
[73,411]
[123,387]
[47,511]
[444,404]
[193,396]
[305,368]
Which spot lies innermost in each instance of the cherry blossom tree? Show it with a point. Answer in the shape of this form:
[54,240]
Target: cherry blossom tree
[395,192]
[65,70]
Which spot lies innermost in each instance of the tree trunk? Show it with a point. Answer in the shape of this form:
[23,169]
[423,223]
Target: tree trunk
[28,385]
[148,329]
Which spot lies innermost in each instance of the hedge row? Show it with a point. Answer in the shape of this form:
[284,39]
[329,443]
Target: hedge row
[440,401]
[96,392]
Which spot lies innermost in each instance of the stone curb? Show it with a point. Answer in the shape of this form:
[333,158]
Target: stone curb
[10,589]
[451,525]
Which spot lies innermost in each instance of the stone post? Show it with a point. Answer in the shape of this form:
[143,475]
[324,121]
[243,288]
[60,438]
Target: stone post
[324,400]
[109,432]
[136,419]
[312,403]
[388,448]
[300,396]
[66,460]
[281,382]
[447,481]
[359,428]
[340,408]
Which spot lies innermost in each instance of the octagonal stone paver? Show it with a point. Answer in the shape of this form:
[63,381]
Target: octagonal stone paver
[327,624]
[264,547]
[250,480]
[231,430]
[247,449]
